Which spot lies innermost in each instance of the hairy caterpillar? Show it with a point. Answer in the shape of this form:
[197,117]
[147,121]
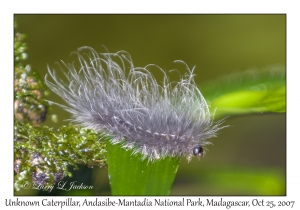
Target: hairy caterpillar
[156,120]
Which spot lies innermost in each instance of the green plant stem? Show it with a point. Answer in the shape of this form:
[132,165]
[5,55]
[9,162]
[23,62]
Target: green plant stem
[130,175]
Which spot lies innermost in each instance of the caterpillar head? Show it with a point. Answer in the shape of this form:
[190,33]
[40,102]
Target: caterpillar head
[198,151]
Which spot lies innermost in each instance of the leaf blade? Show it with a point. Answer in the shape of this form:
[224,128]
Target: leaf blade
[247,92]
[130,175]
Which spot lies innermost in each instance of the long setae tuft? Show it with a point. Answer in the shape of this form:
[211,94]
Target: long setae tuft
[108,94]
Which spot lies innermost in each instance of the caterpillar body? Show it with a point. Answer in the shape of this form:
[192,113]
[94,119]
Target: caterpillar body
[156,120]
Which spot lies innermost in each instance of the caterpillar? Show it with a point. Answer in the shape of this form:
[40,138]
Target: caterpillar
[107,93]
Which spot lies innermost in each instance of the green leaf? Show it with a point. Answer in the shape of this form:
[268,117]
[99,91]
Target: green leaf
[248,92]
[276,101]
[129,174]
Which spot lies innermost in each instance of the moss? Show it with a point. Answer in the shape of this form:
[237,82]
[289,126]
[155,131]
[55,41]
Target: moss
[29,90]
[43,155]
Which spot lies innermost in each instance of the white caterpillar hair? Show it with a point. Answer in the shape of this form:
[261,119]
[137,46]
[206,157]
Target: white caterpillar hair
[156,120]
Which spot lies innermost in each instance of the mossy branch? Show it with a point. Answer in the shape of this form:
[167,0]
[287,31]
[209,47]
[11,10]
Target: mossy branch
[42,155]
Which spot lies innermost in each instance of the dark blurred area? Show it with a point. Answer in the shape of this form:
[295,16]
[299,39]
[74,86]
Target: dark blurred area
[248,157]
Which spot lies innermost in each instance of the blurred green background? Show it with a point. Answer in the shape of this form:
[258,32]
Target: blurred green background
[247,158]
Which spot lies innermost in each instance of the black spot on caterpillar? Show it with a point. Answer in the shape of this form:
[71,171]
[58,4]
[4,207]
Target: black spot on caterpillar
[156,120]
